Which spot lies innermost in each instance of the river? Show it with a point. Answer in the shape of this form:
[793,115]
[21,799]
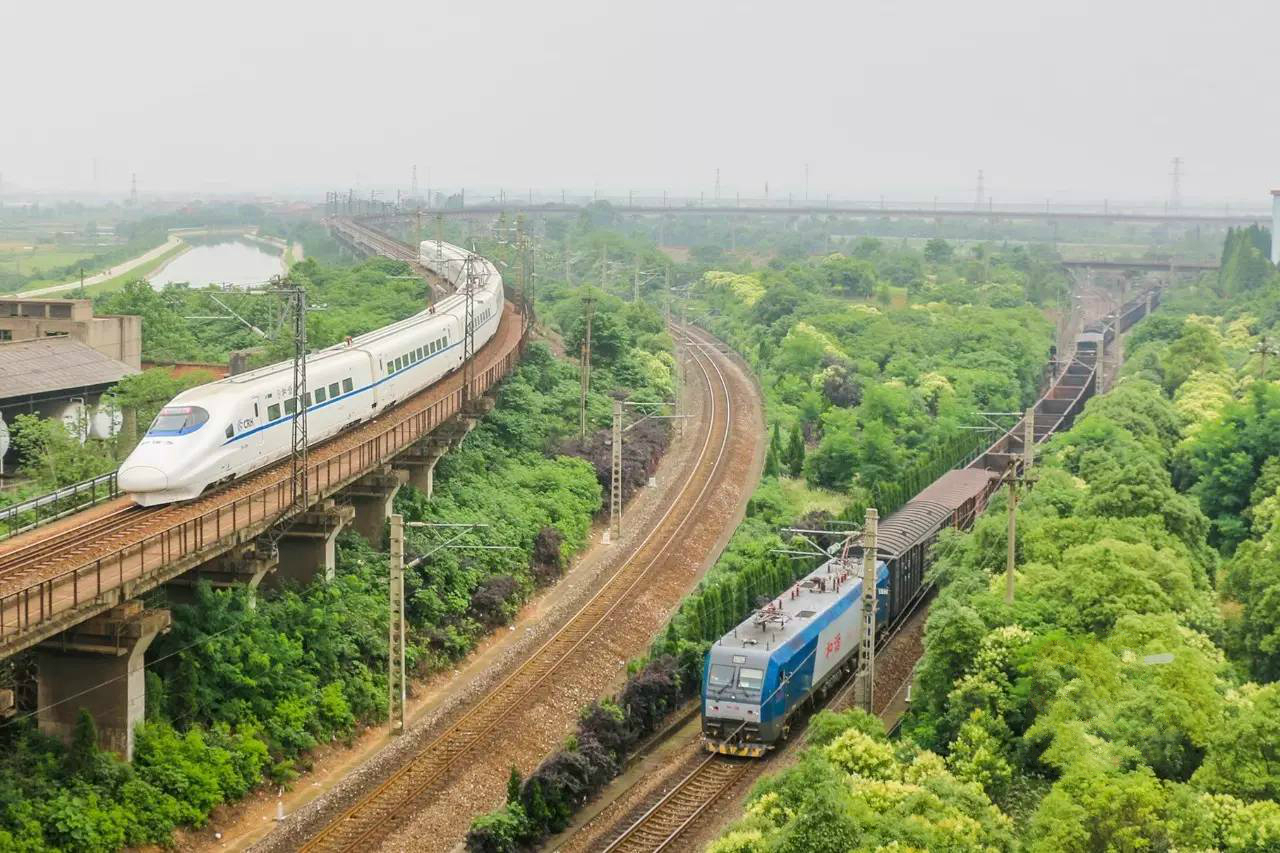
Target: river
[234,262]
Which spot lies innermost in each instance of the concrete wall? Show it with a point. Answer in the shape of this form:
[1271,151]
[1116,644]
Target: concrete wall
[115,336]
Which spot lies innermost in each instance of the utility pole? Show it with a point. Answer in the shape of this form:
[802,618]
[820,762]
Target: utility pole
[1263,349]
[469,326]
[396,687]
[1015,480]
[584,368]
[298,299]
[867,639]
[82,281]
[615,475]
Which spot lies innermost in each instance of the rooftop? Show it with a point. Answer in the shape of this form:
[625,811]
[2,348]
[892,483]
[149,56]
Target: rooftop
[54,364]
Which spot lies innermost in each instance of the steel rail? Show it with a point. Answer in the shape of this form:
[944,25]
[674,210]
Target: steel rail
[372,816]
[659,827]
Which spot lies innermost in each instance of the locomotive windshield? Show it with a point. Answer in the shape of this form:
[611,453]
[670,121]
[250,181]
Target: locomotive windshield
[721,675]
[750,679]
[178,420]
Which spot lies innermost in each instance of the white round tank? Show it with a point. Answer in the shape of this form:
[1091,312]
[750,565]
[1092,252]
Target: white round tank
[105,423]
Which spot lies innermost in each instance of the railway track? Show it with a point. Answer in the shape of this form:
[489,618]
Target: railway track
[663,824]
[666,821]
[381,811]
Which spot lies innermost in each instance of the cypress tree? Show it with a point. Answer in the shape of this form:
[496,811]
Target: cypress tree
[775,440]
[795,452]
[772,467]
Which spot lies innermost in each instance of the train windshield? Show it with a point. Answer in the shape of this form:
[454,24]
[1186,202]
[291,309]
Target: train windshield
[178,420]
[721,675]
[750,679]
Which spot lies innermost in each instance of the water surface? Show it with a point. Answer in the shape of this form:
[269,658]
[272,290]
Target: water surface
[234,262]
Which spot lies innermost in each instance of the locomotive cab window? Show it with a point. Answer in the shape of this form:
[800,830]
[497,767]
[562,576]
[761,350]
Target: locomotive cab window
[750,679]
[178,420]
[231,430]
[721,675]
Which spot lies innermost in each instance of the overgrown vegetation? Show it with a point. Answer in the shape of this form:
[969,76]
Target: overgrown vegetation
[240,692]
[1108,708]
[917,369]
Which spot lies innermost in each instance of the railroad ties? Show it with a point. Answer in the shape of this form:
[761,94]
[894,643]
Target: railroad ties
[383,810]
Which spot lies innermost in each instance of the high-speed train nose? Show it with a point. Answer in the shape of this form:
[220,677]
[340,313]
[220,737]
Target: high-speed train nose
[142,478]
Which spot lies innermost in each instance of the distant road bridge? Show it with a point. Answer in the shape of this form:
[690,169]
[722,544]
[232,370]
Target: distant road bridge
[1142,265]
[1046,213]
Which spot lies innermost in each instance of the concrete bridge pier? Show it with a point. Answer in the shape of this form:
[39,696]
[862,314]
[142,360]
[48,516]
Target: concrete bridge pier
[371,496]
[308,549]
[419,464]
[98,666]
[245,566]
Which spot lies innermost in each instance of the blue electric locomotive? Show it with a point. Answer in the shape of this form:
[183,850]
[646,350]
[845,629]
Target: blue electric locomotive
[760,675]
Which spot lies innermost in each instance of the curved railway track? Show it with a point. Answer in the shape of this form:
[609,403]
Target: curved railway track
[380,812]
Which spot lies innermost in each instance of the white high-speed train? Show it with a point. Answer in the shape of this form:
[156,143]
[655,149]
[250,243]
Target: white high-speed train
[223,430]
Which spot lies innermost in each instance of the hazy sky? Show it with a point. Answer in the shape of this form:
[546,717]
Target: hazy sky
[1083,99]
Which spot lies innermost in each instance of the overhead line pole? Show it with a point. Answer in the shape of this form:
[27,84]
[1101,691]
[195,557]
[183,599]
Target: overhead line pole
[867,653]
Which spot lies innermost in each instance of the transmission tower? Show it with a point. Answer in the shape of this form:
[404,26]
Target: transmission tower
[298,304]
[584,366]
[474,265]
[615,474]
[867,634]
[1175,185]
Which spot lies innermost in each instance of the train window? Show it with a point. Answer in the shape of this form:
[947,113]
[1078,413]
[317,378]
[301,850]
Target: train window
[178,420]
[347,385]
[291,406]
[750,679]
[721,675]
[307,400]
[320,395]
[256,412]
[230,430]
[273,411]
[333,389]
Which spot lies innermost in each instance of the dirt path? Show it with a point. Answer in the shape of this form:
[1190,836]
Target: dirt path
[110,272]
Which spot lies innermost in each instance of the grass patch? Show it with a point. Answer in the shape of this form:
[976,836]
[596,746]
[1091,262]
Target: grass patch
[802,497]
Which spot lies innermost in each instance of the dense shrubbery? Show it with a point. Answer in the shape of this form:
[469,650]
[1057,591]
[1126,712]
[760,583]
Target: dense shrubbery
[876,390]
[864,406]
[242,692]
[1103,710]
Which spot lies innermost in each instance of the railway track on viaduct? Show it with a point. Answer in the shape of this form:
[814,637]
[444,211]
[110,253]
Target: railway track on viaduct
[57,576]
[384,809]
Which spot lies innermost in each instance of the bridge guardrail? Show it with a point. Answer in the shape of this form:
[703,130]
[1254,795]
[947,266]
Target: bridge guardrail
[24,610]
[50,507]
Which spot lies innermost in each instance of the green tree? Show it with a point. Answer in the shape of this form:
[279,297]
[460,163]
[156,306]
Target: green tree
[795,452]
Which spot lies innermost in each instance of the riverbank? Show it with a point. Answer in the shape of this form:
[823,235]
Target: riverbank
[115,276]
